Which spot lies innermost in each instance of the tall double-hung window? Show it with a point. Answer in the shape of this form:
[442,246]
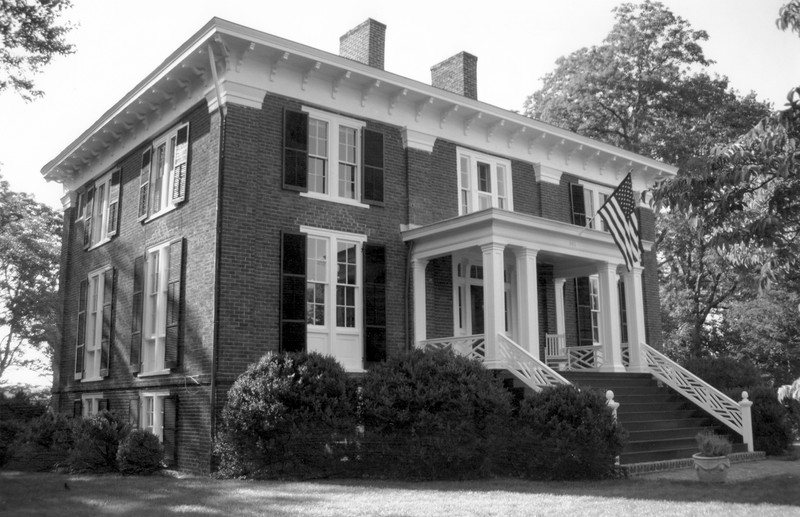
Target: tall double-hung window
[164,173]
[586,200]
[95,325]
[156,309]
[484,181]
[99,209]
[328,156]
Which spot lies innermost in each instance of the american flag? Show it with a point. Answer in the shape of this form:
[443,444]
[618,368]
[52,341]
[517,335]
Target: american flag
[620,216]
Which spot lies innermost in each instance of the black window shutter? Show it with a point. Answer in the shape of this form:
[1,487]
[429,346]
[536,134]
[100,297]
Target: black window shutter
[87,218]
[295,150]
[80,344]
[133,412]
[136,319]
[169,418]
[374,302]
[623,311]
[173,304]
[113,203]
[107,336]
[180,164]
[77,409]
[583,298]
[293,292]
[373,167]
[144,184]
[578,206]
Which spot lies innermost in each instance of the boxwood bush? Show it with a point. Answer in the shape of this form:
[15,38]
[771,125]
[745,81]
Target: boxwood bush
[564,433]
[288,415]
[96,441]
[140,453]
[431,415]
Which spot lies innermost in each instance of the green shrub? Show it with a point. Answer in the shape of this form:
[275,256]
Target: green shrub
[287,415]
[96,441]
[725,373]
[9,430]
[140,453]
[431,415]
[712,445]
[564,433]
[772,422]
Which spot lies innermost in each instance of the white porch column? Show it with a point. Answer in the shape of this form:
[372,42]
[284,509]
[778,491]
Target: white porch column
[528,300]
[610,336]
[561,326]
[634,302]
[494,295]
[420,321]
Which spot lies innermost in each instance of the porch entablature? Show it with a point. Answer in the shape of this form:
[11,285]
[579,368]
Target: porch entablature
[570,247]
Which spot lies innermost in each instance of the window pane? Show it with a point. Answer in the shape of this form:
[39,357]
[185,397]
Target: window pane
[484,177]
[317,156]
[158,180]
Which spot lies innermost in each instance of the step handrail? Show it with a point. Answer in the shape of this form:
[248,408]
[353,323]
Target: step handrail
[735,415]
[519,362]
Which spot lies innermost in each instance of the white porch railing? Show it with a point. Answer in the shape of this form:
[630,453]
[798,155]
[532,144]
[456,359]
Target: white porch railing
[525,367]
[735,415]
[585,357]
[473,347]
[508,356]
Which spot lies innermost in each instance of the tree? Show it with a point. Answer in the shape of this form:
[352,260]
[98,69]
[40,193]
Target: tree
[31,36]
[30,243]
[645,89]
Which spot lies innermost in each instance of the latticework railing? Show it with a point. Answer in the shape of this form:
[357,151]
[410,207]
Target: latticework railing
[626,354]
[585,357]
[733,414]
[525,367]
[473,347]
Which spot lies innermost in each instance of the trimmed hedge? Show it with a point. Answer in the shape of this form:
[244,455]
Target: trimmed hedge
[288,415]
[96,441]
[565,433]
[140,453]
[425,415]
[432,415]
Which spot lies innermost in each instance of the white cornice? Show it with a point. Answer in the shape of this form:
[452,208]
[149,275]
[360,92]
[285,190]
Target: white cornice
[250,63]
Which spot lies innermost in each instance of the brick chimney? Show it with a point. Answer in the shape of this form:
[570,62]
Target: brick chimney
[458,74]
[365,43]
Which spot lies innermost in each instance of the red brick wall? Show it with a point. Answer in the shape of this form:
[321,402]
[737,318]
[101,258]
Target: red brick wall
[195,221]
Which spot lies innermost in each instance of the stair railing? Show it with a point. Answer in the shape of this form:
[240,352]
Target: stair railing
[735,415]
[519,362]
[473,346]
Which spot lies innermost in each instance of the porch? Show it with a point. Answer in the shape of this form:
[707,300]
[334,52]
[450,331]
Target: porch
[557,290]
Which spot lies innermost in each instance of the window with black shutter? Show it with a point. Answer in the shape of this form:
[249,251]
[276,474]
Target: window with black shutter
[374,302]
[373,167]
[293,292]
[295,150]
[583,298]
[578,204]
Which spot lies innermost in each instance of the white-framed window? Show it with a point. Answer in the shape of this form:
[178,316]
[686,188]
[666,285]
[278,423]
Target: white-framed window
[99,209]
[163,173]
[594,197]
[154,331]
[333,279]
[468,296]
[151,417]
[334,157]
[484,181]
[97,297]
[92,404]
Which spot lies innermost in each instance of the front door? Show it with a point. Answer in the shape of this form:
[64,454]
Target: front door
[476,308]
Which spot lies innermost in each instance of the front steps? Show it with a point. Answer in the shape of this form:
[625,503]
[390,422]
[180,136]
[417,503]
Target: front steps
[662,425]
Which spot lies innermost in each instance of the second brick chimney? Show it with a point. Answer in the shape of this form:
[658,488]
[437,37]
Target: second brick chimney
[365,43]
[458,74]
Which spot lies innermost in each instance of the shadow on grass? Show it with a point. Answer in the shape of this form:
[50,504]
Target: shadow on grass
[23,494]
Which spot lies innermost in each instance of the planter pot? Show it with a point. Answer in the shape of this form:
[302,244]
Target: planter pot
[711,469]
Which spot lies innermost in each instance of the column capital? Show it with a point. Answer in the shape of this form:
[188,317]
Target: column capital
[524,252]
[607,267]
[635,271]
[490,247]
[559,281]
[419,263]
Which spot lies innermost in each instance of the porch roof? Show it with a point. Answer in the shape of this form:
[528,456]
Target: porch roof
[570,248]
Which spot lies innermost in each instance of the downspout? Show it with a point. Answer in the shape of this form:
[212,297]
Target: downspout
[220,167]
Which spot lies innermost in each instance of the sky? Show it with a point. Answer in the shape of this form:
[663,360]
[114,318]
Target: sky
[517,42]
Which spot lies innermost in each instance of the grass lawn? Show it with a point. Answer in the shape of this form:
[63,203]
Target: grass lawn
[44,494]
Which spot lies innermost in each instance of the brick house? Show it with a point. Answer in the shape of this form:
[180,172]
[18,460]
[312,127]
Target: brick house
[253,194]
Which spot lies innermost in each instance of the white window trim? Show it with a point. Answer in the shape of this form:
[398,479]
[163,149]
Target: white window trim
[333,237]
[103,181]
[158,411]
[98,330]
[334,121]
[164,138]
[593,221]
[475,157]
[90,403]
[158,348]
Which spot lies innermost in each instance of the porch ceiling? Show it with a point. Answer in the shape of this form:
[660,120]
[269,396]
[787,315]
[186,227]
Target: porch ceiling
[570,248]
